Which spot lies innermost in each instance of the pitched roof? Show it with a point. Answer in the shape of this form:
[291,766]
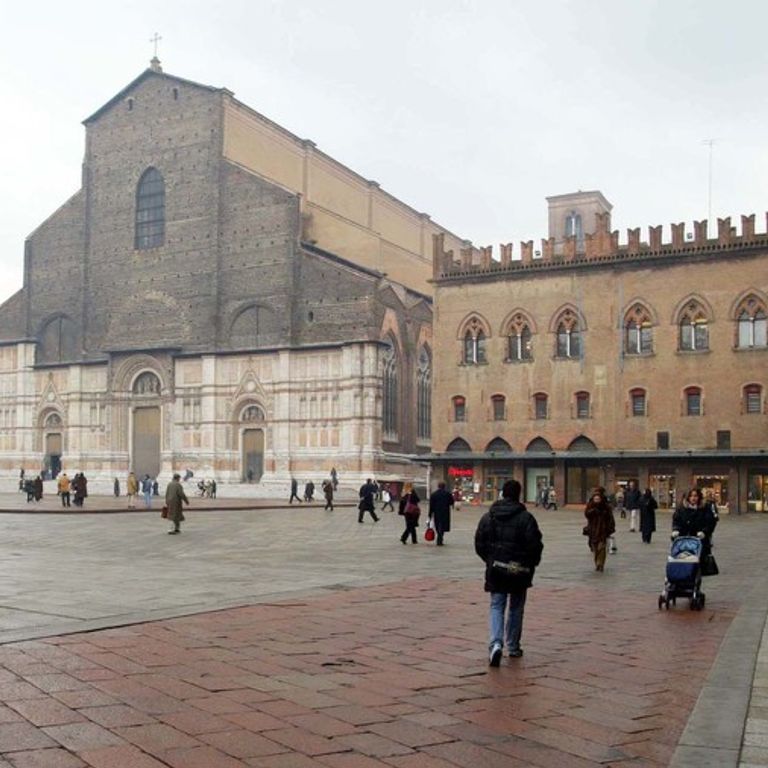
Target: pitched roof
[149,72]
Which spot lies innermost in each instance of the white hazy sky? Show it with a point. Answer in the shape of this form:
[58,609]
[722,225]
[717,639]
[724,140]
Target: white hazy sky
[470,110]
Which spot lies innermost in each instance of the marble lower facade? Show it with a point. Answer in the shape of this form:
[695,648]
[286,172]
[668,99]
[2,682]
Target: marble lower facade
[255,419]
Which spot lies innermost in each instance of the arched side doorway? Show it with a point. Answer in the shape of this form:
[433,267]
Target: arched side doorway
[145,448]
[252,442]
[54,445]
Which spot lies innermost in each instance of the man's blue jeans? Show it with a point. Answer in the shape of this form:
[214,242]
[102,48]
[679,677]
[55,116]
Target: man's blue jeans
[514,606]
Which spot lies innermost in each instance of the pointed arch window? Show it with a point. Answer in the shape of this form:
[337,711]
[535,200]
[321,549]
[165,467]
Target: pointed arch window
[568,332]
[424,395]
[474,343]
[390,384]
[752,321]
[638,331]
[694,328]
[519,339]
[150,210]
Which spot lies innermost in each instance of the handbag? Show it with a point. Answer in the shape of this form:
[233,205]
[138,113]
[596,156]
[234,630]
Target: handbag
[429,534]
[412,509]
[164,512]
[709,566]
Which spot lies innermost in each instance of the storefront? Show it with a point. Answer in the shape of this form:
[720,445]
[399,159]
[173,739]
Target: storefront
[462,476]
[538,479]
[664,489]
[581,478]
[495,477]
[757,491]
[717,485]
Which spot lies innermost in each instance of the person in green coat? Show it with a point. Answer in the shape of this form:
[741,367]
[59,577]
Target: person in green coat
[174,497]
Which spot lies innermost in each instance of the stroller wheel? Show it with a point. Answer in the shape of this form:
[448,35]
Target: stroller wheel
[666,603]
[661,601]
[703,599]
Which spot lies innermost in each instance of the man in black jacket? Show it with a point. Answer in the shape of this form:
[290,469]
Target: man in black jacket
[440,503]
[508,540]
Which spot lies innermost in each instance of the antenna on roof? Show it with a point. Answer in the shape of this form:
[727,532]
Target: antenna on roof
[710,143]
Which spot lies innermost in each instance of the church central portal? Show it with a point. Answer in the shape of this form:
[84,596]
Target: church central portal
[146,441]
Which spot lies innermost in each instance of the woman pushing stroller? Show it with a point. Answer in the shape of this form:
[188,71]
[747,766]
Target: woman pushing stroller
[694,518]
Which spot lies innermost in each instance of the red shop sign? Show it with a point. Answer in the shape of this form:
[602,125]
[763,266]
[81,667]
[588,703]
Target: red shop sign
[460,472]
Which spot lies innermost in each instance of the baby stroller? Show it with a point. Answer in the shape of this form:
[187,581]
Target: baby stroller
[683,573]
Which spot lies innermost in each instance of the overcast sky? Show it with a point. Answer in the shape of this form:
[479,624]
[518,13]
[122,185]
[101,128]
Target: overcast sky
[470,110]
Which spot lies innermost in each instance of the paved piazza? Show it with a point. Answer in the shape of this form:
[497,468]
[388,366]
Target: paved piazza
[294,637]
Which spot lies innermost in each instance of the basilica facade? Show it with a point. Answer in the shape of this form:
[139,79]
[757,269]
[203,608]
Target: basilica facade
[219,296]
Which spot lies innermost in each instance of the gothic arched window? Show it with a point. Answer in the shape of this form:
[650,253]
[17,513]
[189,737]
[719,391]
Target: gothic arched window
[519,341]
[638,331]
[390,391]
[752,323]
[474,343]
[424,396]
[252,413]
[58,341]
[568,335]
[150,210]
[694,328]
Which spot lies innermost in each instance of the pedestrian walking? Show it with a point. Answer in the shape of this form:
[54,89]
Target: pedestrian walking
[309,491]
[600,526]
[174,499]
[648,506]
[335,478]
[410,510]
[632,502]
[366,504]
[508,541]
[64,486]
[294,491]
[694,518]
[552,498]
[386,497]
[440,503]
[156,488]
[146,490]
[116,488]
[131,489]
[80,488]
[22,473]
[328,494]
[38,485]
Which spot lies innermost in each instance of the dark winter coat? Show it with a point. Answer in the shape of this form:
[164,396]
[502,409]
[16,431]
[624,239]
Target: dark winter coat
[440,503]
[688,521]
[600,522]
[367,495]
[632,498]
[648,507]
[405,499]
[508,533]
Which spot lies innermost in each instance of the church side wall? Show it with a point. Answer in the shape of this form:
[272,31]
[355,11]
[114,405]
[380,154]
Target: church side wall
[344,213]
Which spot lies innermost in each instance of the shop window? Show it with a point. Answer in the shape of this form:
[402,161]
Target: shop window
[757,491]
[499,407]
[540,403]
[582,405]
[753,398]
[693,401]
[752,322]
[638,401]
[638,331]
[459,408]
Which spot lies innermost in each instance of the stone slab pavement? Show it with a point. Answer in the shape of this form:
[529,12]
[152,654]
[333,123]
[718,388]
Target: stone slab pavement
[273,637]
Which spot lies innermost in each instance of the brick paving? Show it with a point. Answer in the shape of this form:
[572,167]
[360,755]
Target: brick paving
[386,675]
